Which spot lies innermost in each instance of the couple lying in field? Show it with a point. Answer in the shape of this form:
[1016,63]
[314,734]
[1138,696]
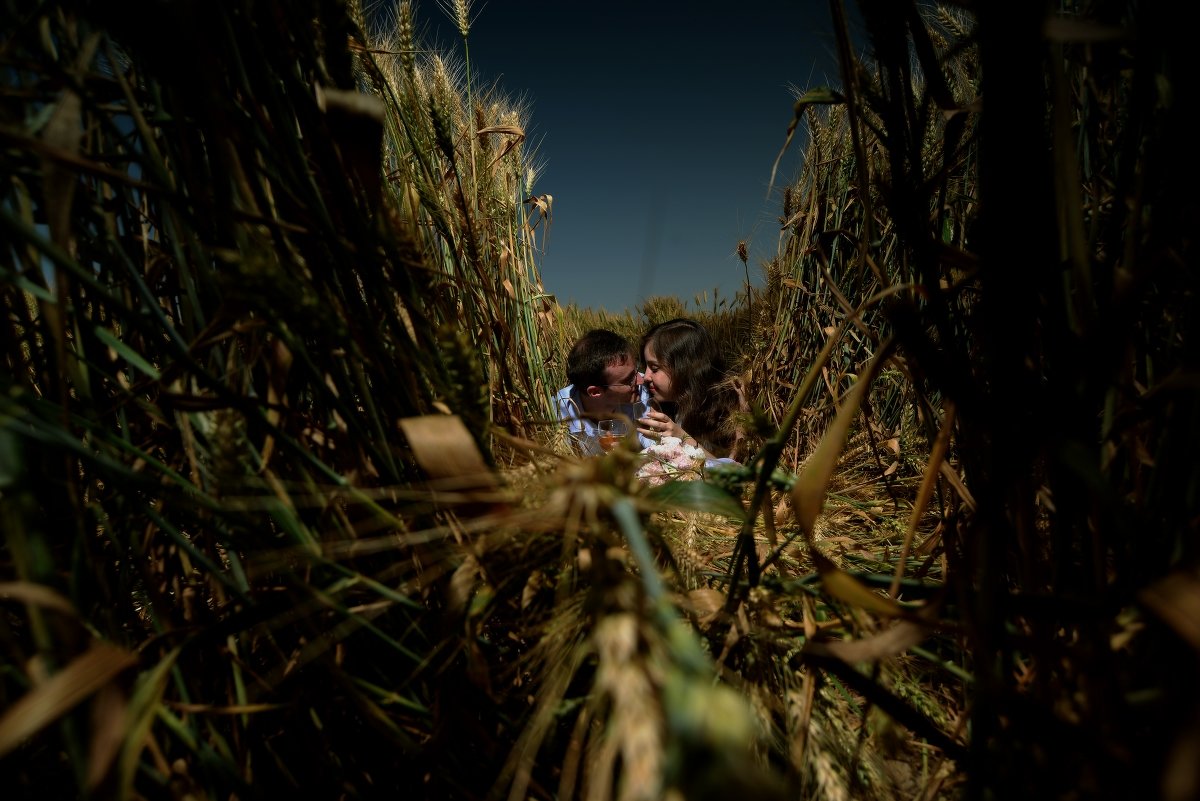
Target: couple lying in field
[681,391]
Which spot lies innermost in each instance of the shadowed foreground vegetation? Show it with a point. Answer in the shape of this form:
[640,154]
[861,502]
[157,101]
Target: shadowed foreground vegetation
[284,509]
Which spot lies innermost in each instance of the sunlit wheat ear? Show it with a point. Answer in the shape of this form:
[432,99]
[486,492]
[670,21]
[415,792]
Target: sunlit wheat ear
[228,451]
[443,92]
[440,116]
[830,744]
[954,22]
[459,12]
[829,780]
[406,41]
[634,729]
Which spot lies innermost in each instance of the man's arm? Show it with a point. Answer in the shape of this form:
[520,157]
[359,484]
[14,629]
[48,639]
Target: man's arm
[577,428]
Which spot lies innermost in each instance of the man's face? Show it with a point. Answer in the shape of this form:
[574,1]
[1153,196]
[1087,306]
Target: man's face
[621,380]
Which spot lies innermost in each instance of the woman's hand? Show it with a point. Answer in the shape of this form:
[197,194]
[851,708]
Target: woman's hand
[658,425]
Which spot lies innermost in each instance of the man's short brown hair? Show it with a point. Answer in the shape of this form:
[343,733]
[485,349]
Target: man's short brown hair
[592,353]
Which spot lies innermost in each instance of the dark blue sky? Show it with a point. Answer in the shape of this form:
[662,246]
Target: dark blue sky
[656,125]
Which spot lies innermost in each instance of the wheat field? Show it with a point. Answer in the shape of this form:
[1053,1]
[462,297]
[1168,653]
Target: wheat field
[286,509]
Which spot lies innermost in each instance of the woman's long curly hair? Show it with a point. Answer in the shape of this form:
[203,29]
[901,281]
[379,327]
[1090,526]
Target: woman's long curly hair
[705,399]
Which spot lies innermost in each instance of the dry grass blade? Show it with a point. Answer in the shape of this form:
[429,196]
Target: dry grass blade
[141,714]
[50,700]
[819,96]
[932,469]
[37,595]
[808,495]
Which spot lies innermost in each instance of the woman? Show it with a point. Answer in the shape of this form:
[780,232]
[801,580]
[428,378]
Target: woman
[691,399]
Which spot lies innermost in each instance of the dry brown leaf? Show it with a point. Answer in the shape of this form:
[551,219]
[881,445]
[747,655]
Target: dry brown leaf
[936,459]
[846,588]
[1181,774]
[705,603]
[535,582]
[61,692]
[504,129]
[355,121]
[517,137]
[349,102]
[891,641]
[957,482]
[37,595]
[278,365]
[444,448]
[781,511]
[808,495]
[108,732]
[809,619]
[462,584]
[543,203]
[931,542]
[1176,599]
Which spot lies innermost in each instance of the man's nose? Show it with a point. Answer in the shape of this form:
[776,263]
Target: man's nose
[639,379]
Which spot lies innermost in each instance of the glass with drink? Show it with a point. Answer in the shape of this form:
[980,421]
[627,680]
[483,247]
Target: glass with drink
[610,432]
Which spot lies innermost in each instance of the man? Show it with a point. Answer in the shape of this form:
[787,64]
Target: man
[605,383]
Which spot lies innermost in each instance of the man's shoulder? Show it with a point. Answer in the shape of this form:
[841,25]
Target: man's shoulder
[567,402]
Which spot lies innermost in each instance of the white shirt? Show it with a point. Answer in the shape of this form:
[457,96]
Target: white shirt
[583,430]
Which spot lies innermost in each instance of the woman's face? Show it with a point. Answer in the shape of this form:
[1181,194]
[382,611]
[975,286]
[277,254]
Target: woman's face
[657,380]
